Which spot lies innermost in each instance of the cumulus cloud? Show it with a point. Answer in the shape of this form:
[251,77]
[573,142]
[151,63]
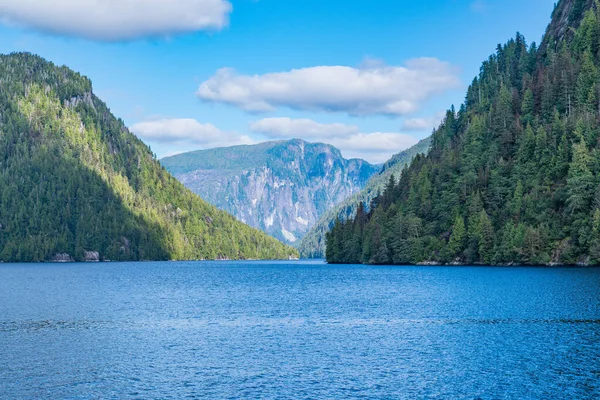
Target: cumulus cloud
[113,20]
[423,124]
[301,128]
[187,132]
[376,147]
[371,89]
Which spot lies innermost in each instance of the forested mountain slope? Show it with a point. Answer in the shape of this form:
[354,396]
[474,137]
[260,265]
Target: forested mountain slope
[280,187]
[75,184]
[513,176]
[312,244]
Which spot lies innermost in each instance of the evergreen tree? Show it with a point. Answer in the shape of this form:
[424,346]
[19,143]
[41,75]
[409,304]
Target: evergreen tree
[527,108]
[580,182]
[587,84]
[75,183]
[456,243]
[512,177]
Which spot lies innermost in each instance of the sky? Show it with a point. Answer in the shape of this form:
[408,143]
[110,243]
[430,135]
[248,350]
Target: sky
[371,77]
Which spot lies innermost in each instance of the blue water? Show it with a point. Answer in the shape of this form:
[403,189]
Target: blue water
[301,330]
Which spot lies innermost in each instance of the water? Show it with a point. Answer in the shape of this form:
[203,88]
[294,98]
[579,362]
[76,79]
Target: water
[297,330]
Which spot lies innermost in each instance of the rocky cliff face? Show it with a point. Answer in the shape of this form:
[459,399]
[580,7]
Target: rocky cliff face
[566,17]
[280,187]
[312,244]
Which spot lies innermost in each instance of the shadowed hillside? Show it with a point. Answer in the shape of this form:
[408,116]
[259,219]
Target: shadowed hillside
[77,185]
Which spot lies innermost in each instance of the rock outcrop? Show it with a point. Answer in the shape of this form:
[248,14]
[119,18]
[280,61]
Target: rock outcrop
[91,256]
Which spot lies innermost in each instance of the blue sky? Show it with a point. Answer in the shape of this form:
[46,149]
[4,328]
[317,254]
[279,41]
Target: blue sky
[370,77]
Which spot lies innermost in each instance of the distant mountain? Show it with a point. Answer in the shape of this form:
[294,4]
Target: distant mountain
[76,185]
[279,187]
[513,176]
[312,244]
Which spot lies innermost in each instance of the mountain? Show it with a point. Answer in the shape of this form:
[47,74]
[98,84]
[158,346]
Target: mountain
[279,187]
[513,177]
[75,184]
[312,244]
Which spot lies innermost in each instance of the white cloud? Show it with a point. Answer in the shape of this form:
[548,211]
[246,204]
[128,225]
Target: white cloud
[301,128]
[113,20]
[187,132]
[371,89]
[423,124]
[376,147]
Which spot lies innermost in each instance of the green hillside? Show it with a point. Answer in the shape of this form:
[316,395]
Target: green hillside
[513,175]
[76,184]
[313,244]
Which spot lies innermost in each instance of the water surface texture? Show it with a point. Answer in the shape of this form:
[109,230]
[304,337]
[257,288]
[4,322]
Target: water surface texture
[297,330]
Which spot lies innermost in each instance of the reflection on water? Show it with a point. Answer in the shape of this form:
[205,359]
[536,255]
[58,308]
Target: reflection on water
[297,330]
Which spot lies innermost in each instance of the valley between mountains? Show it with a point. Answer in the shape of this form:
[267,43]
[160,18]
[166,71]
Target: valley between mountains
[511,176]
[284,188]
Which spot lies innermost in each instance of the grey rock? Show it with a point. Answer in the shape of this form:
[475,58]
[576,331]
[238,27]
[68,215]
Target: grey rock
[279,187]
[62,257]
[91,256]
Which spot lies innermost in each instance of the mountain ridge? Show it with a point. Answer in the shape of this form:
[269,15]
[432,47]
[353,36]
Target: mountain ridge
[280,187]
[78,186]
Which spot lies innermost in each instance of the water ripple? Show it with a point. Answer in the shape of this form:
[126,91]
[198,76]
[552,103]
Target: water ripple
[297,331]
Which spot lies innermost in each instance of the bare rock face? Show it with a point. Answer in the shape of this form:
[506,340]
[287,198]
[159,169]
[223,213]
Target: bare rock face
[566,17]
[313,243]
[91,256]
[87,98]
[281,187]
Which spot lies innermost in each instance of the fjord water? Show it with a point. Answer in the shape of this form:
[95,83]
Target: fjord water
[297,330]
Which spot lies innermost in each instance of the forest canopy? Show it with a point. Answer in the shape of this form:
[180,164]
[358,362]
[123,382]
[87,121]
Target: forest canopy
[512,176]
[75,184]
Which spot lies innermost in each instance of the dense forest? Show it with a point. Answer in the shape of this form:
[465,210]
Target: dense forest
[75,184]
[313,243]
[513,175]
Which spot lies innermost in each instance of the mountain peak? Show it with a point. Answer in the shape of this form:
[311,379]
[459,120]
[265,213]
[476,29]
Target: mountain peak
[280,187]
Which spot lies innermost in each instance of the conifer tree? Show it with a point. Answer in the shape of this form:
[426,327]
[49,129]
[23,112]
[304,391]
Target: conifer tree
[513,177]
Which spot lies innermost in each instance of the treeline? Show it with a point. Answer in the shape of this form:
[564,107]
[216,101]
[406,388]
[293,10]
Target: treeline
[74,180]
[512,176]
